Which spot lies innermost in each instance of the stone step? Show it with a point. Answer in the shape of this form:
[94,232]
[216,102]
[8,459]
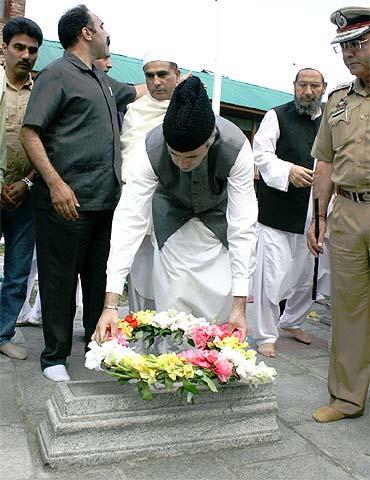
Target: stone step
[104,422]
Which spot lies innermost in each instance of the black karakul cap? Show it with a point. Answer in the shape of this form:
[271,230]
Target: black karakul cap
[189,120]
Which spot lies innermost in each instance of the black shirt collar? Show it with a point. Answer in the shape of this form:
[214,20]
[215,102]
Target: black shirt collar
[76,61]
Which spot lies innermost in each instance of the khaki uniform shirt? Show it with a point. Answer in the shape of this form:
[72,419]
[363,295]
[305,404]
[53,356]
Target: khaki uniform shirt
[344,137]
[2,126]
[16,103]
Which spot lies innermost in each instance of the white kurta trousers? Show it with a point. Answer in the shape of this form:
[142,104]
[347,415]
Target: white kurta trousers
[284,271]
[192,273]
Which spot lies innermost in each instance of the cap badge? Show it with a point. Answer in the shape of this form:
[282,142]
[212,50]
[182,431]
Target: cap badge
[340,20]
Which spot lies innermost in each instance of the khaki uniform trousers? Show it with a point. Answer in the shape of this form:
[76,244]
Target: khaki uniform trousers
[349,370]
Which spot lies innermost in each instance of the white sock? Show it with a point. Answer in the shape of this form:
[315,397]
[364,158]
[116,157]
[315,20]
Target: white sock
[57,373]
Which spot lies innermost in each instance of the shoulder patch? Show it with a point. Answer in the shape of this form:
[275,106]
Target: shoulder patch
[342,86]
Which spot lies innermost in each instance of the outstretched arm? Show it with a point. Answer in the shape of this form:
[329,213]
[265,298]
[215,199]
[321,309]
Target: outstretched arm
[130,223]
[241,217]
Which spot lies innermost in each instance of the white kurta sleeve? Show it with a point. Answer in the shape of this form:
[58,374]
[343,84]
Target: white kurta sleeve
[241,215]
[130,223]
[275,172]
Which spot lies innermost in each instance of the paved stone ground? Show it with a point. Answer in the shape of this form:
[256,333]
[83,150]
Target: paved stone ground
[307,450]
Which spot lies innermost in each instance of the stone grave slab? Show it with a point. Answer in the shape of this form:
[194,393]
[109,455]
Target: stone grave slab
[103,422]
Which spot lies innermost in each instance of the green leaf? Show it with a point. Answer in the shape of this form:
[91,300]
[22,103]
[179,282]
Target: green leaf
[145,391]
[190,387]
[168,383]
[190,398]
[210,383]
[163,332]
[150,339]
[122,381]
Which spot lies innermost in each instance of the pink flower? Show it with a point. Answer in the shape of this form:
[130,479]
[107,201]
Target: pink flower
[223,332]
[212,333]
[201,335]
[122,340]
[223,369]
[211,355]
[210,359]
[196,357]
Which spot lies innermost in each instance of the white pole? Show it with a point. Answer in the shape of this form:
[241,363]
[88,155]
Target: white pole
[217,76]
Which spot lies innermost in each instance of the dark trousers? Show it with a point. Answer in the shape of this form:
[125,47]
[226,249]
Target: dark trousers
[64,250]
[17,226]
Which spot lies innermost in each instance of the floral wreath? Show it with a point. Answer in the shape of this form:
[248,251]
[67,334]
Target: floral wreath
[213,355]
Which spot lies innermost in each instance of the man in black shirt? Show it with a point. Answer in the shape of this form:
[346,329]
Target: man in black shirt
[71,136]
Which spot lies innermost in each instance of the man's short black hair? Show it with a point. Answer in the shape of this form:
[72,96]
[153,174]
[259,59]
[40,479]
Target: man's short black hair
[19,26]
[71,23]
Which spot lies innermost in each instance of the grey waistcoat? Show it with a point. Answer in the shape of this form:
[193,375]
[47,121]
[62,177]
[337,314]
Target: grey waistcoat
[200,193]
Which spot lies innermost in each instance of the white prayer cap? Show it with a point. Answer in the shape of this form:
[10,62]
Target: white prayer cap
[158,56]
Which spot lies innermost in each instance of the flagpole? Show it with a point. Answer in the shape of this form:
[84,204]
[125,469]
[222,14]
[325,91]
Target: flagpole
[217,76]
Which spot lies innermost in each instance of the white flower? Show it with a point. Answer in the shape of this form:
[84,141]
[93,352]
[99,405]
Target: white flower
[162,320]
[177,320]
[234,355]
[247,369]
[94,356]
[110,352]
[265,374]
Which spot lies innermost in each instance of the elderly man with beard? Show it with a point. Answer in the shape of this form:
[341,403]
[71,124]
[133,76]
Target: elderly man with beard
[284,269]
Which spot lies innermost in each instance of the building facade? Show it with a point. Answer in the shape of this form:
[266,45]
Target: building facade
[10,8]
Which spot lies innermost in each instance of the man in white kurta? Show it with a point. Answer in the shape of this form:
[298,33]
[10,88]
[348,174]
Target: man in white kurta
[284,266]
[193,270]
[161,76]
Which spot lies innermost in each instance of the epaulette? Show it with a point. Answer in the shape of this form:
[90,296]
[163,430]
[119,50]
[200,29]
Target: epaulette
[346,85]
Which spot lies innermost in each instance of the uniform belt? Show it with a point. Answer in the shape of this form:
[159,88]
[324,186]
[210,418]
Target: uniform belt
[359,197]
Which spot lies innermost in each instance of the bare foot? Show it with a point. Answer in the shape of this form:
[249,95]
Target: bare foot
[298,334]
[267,349]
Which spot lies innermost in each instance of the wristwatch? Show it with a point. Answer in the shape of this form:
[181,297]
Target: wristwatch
[28,182]
[111,307]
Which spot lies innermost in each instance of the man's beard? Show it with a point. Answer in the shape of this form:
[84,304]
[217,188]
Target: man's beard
[307,109]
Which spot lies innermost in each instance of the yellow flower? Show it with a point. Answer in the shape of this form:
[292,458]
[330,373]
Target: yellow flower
[231,342]
[187,371]
[250,355]
[144,317]
[125,328]
[169,363]
[148,374]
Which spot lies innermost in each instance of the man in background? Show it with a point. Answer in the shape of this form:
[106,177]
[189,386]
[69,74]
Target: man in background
[282,153]
[104,63]
[22,39]
[3,161]
[161,77]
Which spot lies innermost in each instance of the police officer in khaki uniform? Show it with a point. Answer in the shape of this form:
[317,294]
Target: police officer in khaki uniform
[342,148]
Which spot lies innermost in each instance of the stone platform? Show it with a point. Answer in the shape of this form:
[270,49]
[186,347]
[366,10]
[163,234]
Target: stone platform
[103,422]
